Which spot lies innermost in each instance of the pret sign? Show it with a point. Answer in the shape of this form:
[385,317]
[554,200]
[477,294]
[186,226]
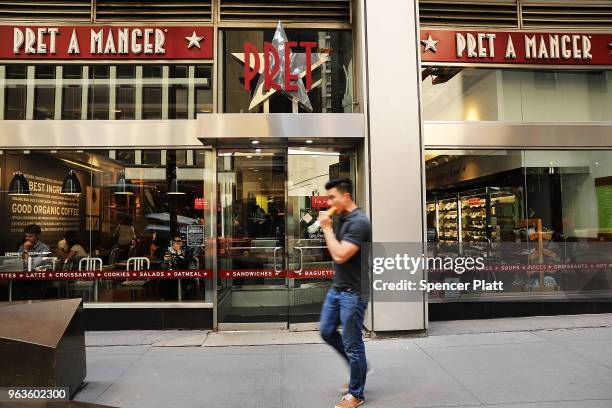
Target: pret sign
[516,47]
[106,42]
[281,65]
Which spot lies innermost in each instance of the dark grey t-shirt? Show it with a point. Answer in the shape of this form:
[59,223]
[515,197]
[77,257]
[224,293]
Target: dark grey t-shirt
[354,227]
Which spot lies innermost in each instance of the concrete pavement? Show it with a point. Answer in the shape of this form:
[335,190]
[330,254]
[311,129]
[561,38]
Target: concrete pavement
[524,362]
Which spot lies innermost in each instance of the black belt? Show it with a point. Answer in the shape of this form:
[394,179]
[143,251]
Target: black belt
[344,289]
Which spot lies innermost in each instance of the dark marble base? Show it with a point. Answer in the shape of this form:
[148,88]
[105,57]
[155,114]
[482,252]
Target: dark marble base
[42,344]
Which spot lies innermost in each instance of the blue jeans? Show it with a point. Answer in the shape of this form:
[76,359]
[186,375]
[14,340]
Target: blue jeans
[347,309]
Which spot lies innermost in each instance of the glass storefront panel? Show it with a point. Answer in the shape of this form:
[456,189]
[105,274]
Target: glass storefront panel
[516,95]
[102,92]
[135,230]
[332,89]
[539,218]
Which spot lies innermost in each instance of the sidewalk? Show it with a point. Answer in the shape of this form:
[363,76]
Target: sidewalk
[523,362]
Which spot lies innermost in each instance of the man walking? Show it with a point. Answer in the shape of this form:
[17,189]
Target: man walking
[344,304]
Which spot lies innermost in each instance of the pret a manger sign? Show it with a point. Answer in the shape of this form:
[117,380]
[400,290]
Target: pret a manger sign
[516,47]
[105,42]
[272,67]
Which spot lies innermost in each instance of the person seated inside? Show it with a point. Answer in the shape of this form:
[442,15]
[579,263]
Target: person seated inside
[74,251]
[33,250]
[177,256]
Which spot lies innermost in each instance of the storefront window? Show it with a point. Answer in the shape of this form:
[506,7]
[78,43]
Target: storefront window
[126,92]
[44,93]
[15,92]
[332,82]
[137,230]
[480,94]
[72,92]
[102,92]
[99,92]
[541,220]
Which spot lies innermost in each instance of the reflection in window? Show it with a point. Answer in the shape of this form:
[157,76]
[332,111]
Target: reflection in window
[125,105]
[178,103]
[44,92]
[15,102]
[151,102]
[203,89]
[481,94]
[72,92]
[15,92]
[139,91]
[99,92]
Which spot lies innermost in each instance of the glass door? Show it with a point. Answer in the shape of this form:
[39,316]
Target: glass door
[310,271]
[273,266]
[251,238]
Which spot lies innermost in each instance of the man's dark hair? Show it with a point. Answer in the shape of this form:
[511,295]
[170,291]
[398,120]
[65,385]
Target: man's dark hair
[342,184]
[32,229]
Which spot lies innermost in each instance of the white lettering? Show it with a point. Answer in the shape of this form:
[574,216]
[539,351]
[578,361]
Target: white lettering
[510,53]
[148,46]
[565,52]
[553,41]
[73,47]
[123,41]
[575,48]
[482,51]
[160,39]
[110,43]
[530,47]
[52,33]
[41,47]
[471,46]
[586,48]
[460,42]
[30,39]
[17,39]
[543,52]
[491,38]
[136,48]
[96,42]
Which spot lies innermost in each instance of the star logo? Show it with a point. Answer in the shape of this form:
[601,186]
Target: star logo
[297,66]
[194,40]
[430,44]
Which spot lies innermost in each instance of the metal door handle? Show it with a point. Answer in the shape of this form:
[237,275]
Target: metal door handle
[278,271]
[301,251]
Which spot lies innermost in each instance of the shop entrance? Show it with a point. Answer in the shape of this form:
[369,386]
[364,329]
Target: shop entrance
[273,270]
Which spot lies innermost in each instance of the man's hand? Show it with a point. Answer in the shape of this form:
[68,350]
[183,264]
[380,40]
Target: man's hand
[325,220]
[27,245]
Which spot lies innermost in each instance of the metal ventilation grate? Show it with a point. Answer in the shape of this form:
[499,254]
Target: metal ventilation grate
[153,10]
[320,11]
[41,10]
[473,13]
[559,13]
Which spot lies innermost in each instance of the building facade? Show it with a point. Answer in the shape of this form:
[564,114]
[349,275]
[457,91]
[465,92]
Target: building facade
[174,155]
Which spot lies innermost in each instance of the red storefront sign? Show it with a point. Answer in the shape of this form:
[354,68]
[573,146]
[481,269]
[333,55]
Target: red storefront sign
[200,203]
[515,47]
[319,202]
[106,42]
[270,273]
